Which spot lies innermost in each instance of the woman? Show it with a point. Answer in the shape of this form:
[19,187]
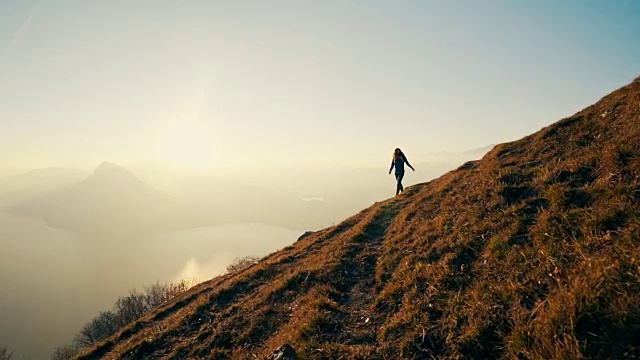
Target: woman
[398,161]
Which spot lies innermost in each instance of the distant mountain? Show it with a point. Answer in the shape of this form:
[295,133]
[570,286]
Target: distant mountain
[16,189]
[483,150]
[110,200]
[531,252]
[210,201]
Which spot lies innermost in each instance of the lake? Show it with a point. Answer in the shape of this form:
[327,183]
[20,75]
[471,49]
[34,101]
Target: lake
[52,282]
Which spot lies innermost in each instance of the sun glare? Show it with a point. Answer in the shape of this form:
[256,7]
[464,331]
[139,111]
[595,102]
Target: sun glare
[186,144]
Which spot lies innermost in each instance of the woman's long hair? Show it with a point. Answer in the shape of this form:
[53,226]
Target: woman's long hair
[397,152]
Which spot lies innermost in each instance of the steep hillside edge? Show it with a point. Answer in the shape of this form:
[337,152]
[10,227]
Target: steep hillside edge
[529,253]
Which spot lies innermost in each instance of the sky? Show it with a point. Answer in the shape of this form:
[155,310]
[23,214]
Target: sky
[222,84]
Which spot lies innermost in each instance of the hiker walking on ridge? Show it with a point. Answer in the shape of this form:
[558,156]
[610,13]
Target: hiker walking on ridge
[399,159]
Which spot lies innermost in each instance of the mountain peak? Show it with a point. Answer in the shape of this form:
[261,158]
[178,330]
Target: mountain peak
[111,199]
[110,171]
[108,167]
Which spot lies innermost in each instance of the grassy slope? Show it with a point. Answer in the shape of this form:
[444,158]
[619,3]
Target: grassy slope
[532,252]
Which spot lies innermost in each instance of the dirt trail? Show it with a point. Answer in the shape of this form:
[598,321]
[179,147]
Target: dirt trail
[361,323]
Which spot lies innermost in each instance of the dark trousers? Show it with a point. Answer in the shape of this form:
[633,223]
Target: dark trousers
[399,187]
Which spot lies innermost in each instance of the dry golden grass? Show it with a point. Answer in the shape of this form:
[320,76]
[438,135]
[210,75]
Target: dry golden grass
[530,253]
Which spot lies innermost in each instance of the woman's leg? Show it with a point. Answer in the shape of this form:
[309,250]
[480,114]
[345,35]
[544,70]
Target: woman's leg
[399,187]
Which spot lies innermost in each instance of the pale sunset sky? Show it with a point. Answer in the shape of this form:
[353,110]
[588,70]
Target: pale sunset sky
[212,84]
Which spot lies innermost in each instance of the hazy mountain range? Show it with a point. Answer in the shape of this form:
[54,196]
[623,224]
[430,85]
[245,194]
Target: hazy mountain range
[112,200]
[17,188]
[109,200]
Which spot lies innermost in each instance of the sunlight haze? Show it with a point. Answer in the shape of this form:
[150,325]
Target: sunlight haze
[146,141]
[295,82]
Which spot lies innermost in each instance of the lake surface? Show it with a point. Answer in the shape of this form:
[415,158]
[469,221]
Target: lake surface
[52,282]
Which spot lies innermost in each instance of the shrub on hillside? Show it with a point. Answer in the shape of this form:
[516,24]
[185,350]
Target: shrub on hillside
[157,294]
[65,352]
[100,327]
[125,310]
[5,354]
[242,263]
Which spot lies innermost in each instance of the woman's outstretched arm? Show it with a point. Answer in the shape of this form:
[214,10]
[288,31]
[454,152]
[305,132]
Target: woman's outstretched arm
[407,161]
[392,164]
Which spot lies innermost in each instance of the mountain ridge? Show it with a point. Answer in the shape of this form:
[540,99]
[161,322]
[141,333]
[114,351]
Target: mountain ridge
[18,188]
[107,168]
[109,198]
[529,253]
